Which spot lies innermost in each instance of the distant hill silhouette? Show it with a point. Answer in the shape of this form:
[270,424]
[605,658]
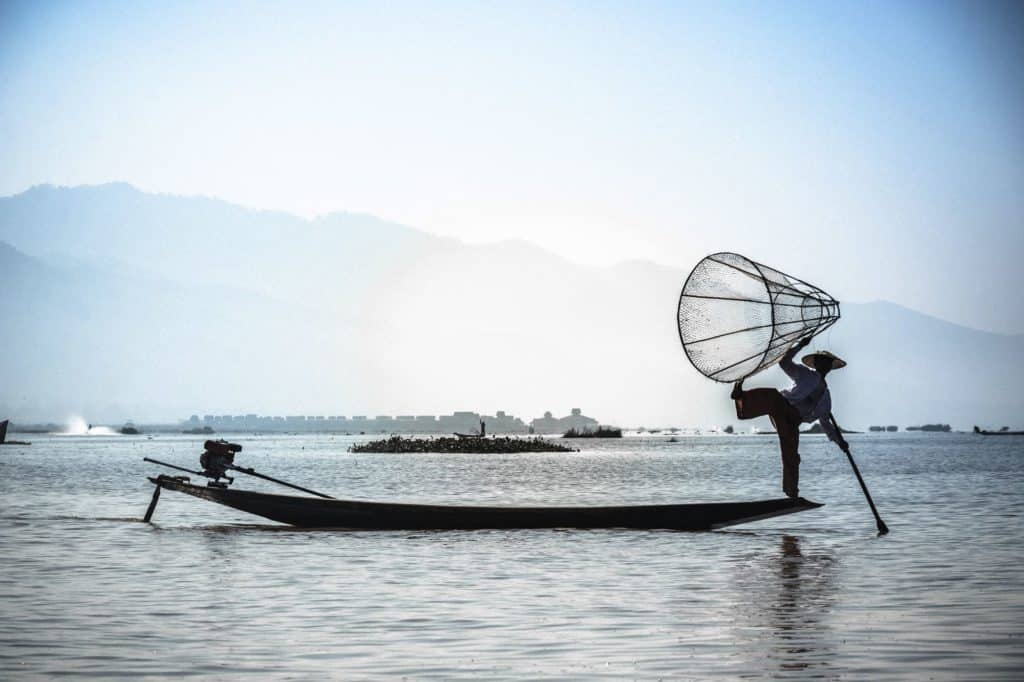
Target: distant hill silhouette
[121,304]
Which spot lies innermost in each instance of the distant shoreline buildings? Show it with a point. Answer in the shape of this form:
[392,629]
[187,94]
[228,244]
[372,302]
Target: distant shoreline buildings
[457,422]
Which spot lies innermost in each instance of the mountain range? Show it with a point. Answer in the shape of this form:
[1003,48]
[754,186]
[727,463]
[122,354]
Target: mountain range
[124,304]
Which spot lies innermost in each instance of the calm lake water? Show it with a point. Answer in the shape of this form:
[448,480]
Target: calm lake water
[87,589]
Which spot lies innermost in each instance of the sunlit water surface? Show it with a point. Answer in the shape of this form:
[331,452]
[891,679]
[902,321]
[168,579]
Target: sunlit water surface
[86,588]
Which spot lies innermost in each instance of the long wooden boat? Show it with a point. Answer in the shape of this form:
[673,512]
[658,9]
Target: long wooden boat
[1002,432]
[309,512]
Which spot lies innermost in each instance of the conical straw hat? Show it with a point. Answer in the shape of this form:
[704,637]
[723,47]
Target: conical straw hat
[837,363]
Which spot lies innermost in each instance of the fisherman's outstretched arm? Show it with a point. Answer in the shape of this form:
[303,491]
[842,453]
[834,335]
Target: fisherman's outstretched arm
[828,422]
[786,363]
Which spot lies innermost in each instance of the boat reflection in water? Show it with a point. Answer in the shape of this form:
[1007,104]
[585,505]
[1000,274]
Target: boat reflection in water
[788,596]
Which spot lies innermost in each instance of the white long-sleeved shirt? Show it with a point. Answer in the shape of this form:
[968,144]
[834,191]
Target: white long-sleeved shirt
[805,382]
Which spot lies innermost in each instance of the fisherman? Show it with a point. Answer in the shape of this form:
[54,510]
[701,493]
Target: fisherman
[807,400]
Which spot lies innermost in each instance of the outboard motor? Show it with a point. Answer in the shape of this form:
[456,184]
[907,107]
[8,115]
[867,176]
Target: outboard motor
[217,458]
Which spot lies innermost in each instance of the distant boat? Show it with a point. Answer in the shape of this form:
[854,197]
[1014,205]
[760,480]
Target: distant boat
[3,435]
[1005,431]
[129,429]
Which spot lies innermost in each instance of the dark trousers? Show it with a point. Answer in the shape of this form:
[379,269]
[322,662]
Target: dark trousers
[759,402]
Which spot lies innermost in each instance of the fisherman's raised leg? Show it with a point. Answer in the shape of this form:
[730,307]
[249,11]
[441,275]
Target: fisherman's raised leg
[758,402]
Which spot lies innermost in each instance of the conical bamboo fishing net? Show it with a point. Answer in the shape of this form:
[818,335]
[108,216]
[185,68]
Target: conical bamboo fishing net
[737,317]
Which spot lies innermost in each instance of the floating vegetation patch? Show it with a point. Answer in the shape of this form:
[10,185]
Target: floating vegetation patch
[599,432]
[496,445]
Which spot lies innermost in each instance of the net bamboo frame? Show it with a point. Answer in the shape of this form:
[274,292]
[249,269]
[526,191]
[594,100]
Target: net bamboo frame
[737,317]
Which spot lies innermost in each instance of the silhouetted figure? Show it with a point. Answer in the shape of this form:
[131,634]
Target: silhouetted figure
[483,428]
[807,400]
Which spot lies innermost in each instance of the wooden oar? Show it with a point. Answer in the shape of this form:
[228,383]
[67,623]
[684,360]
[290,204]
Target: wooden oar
[246,470]
[175,466]
[882,528]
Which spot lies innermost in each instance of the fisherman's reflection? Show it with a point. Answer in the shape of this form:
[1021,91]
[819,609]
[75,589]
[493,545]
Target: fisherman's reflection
[788,604]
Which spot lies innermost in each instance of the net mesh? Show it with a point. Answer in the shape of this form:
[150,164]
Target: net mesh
[737,317]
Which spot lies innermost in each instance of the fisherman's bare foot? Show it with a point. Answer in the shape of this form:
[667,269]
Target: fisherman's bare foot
[737,390]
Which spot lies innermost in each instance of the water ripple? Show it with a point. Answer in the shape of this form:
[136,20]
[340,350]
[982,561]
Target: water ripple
[87,590]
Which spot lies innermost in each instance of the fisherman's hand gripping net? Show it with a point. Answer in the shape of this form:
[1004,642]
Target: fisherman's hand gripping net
[737,317]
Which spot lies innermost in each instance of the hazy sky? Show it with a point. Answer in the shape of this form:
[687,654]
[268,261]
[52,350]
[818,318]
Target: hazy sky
[874,148]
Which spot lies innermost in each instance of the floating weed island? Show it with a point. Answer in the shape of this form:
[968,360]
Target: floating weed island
[470,445]
[599,432]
